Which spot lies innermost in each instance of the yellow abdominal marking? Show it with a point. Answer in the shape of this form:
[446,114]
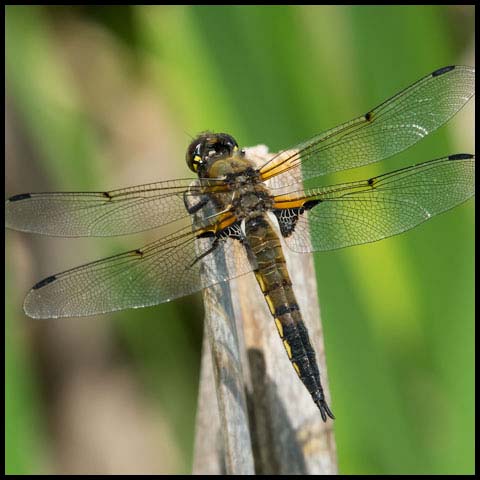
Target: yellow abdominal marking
[278,323]
[287,348]
[297,369]
[261,281]
[268,298]
[271,306]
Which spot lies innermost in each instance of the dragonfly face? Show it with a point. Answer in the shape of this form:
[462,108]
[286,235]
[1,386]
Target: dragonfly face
[206,149]
[236,202]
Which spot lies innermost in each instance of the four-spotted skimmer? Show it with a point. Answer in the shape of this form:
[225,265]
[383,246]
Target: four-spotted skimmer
[237,203]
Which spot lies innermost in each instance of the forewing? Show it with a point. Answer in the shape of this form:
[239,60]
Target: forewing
[118,212]
[174,266]
[367,211]
[386,130]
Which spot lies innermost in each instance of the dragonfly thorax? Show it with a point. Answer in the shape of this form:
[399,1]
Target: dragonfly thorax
[251,200]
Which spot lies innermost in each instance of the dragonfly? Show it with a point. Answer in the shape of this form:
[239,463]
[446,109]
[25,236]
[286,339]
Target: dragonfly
[242,211]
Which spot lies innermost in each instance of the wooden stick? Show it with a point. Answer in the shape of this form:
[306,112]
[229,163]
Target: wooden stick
[283,432]
[222,438]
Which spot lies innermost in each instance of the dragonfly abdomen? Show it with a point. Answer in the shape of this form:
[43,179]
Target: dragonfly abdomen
[274,281]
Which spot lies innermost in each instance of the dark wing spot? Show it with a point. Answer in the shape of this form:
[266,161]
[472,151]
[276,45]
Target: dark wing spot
[461,156]
[287,220]
[442,70]
[44,282]
[288,217]
[20,196]
[233,231]
[310,204]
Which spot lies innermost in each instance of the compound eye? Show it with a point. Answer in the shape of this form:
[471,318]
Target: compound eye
[229,142]
[194,158]
[232,144]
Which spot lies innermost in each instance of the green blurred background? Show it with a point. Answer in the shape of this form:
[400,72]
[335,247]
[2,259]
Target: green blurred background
[105,97]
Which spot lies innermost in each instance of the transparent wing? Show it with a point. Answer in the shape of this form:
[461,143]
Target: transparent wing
[386,130]
[174,266]
[118,212]
[367,211]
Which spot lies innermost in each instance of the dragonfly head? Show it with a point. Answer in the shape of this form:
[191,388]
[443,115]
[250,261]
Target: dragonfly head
[207,147]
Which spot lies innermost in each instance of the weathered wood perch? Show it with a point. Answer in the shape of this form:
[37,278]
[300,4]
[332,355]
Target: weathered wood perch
[254,415]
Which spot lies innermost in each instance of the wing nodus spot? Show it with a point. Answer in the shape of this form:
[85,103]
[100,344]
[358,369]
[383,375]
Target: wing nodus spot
[310,204]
